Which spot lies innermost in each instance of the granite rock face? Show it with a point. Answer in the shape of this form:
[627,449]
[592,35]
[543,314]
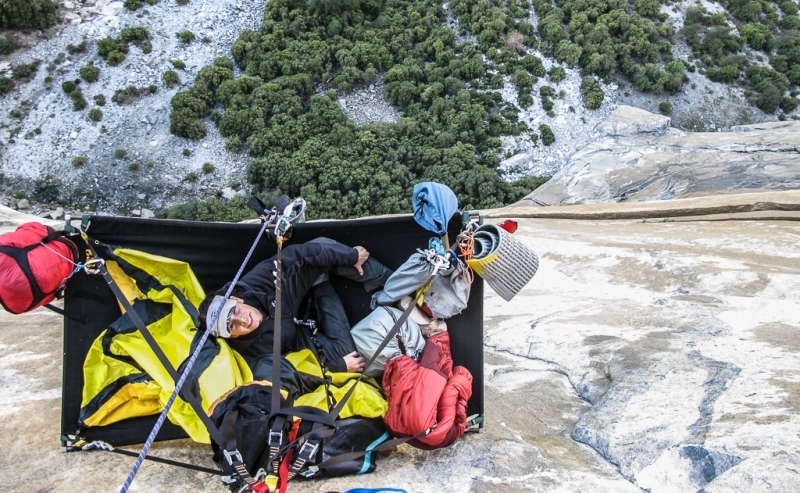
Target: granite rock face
[643,356]
[641,159]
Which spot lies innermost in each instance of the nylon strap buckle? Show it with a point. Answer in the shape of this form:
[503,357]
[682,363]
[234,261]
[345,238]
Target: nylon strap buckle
[306,452]
[278,434]
[302,453]
[232,457]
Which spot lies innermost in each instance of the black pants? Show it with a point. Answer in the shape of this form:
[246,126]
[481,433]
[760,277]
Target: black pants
[334,329]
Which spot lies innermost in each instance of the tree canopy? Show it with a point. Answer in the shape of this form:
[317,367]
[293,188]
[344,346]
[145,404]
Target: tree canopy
[301,142]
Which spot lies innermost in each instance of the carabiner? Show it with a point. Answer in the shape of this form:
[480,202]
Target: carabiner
[89,266]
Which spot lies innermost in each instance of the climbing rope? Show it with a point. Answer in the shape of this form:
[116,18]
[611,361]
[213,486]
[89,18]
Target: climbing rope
[466,244]
[163,416]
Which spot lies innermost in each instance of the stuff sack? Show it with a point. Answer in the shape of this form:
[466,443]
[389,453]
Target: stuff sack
[36,261]
[449,292]
[428,396]
[445,295]
[370,332]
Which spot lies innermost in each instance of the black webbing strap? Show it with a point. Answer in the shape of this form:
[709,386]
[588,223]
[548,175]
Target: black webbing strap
[170,462]
[63,313]
[233,430]
[215,433]
[342,458]
[56,309]
[100,445]
[276,433]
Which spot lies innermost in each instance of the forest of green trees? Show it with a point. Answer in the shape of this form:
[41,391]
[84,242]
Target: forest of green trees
[303,145]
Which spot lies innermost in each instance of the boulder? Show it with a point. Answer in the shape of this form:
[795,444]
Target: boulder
[627,120]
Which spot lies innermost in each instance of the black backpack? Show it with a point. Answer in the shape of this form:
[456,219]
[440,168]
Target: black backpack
[262,438]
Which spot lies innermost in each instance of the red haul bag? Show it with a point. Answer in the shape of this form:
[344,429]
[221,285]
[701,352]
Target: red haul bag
[35,263]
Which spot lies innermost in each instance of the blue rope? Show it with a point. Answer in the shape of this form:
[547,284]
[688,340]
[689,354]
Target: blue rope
[185,374]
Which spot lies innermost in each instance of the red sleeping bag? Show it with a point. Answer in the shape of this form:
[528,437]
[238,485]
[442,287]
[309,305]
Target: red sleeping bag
[35,262]
[429,395]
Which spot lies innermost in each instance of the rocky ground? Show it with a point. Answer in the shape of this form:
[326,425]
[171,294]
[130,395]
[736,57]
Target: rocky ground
[153,174]
[654,355]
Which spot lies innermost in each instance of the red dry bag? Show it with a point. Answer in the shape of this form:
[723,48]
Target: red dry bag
[35,263]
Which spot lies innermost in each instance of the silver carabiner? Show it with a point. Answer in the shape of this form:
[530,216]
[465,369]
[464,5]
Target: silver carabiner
[89,266]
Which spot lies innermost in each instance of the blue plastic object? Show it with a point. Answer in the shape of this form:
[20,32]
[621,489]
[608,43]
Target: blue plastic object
[374,490]
[436,245]
[434,204]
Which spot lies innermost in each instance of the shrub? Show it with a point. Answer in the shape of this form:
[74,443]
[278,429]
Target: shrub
[224,62]
[546,132]
[185,124]
[25,70]
[152,88]
[212,209]
[90,73]
[789,104]
[115,58]
[99,100]
[171,78]
[727,73]
[39,14]
[129,95]
[191,177]
[135,34]
[178,64]
[78,102]
[182,2]
[80,48]
[547,103]
[234,144]
[186,152]
[208,168]
[592,93]
[132,4]
[533,65]
[546,91]
[78,161]
[205,39]
[120,154]
[525,100]
[150,164]
[8,44]
[557,73]
[186,36]
[135,166]
[6,85]
[95,114]
[665,108]
[112,50]
[68,86]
